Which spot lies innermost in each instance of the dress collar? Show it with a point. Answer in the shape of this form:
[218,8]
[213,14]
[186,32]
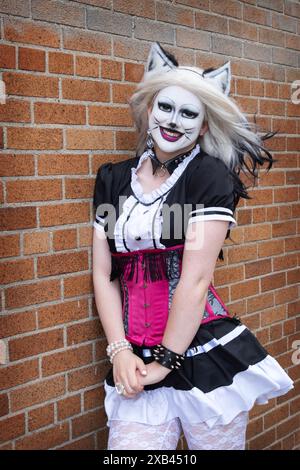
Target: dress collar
[177,169]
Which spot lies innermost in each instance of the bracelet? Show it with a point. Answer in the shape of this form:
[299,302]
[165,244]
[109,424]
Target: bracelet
[167,358]
[113,346]
[118,350]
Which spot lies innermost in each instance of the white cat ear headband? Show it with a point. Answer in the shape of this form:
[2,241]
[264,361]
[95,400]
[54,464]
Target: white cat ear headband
[161,61]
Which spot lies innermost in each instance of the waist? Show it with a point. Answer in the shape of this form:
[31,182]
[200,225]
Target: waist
[147,265]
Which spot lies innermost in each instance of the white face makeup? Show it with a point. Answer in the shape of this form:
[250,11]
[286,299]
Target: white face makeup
[176,119]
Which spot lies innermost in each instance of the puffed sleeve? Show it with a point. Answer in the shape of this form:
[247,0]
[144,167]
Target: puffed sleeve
[211,192]
[102,195]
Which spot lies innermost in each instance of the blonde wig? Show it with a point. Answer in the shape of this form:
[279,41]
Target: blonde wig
[230,137]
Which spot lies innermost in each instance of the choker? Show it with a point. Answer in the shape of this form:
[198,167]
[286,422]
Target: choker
[168,165]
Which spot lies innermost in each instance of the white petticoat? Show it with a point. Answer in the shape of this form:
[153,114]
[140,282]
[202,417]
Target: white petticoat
[255,385]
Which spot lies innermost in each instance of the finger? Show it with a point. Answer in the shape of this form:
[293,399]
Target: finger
[134,383]
[141,367]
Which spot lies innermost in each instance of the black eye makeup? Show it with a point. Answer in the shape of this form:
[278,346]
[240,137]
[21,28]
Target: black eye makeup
[163,106]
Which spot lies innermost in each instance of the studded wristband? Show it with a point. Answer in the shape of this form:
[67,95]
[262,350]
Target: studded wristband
[167,358]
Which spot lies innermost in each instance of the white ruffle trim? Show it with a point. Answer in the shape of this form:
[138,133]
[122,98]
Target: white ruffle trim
[166,185]
[256,385]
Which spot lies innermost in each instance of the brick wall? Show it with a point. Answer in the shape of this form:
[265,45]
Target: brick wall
[69,68]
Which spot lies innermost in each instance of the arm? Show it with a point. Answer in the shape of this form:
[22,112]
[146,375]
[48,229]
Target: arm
[203,243]
[109,306]
[107,293]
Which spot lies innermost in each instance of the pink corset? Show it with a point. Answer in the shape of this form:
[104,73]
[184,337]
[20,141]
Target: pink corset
[148,279]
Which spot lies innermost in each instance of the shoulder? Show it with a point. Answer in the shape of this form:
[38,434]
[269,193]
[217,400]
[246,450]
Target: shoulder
[117,169]
[208,178]
[205,165]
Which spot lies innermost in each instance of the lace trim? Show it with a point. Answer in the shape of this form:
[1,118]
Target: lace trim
[156,264]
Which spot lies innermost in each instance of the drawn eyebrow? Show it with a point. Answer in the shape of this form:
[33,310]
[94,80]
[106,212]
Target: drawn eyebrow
[173,102]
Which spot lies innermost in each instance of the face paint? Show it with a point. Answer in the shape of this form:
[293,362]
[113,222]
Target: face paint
[176,119]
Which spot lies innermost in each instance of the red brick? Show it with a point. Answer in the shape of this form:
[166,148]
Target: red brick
[16,7]
[86,443]
[257,15]
[78,188]
[240,29]
[9,245]
[30,85]
[94,398]
[45,440]
[77,40]
[272,107]
[88,422]
[269,36]
[112,70]
[4,407]
[85,90]
[64,239]
[229,8]
[110,116]
[288,426]
[16,165]
[29,32]
[14,218]
[85,377]
[125,140]
[32,345]
[27,138]
[66,360]
[89,139]
[59,62]
[176,14]
[205,21]
[15,111]
[122,92]
[13,375]
[12,427]
[50,265]
[87,66]
[38,392]
[69,406]
[244,289]
[83,331]
[40,417]
[32,59]
[7,57]
[13,324]
[144,8]
[78,285]
[58,12]
[63,164]
[55,113]
[61,313]
[33,190]
[63,214]
[30,294]
[36,242]
[16,270]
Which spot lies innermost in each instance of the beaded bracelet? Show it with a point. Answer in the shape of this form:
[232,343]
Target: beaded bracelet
[115,345]
[121,348]
[113,348]
[167,358]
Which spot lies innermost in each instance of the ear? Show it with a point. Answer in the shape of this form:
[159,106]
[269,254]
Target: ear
[159,60]
[204,129]
[221,76]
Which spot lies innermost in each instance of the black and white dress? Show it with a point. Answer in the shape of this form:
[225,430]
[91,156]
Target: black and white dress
[226,369]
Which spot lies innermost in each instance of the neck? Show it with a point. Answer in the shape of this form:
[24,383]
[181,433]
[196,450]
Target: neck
[165,156]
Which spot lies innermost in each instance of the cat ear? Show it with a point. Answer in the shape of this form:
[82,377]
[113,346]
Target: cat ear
[159,60]
[221,76]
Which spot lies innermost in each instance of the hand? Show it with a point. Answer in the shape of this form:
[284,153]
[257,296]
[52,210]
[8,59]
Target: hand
[127,369]
[155,373]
